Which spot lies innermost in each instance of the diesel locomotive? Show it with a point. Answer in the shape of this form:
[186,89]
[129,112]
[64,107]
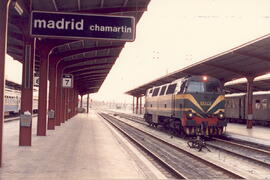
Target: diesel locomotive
[193,105]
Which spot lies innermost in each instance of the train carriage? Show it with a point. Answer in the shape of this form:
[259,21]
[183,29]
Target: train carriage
[192,105]
[236,108]
[12,101]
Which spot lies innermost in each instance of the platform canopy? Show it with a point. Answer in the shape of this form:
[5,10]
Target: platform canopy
[259,84]
[88,60]
[251,59]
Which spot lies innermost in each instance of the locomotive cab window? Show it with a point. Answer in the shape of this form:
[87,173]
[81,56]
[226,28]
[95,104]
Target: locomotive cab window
[213,86]
[156,90]
[162,92]
[200,87]
[149,93]
[171,89]
[183,87]
[194,86]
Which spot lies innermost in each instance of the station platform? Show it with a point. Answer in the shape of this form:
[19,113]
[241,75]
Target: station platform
[257,134]
[84,147]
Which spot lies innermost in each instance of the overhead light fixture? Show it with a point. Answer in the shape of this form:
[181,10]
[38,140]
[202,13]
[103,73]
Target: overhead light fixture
[18,8]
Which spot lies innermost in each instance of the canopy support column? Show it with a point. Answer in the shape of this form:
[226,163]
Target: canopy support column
[87,104]
[42,95]
[77,102]
[133,104]
[25,133]
[52,93]
[249,102]
[81,103]
[74,102]
[58,113]
[137,104]
[140,105]
[4,4]
[70,103]
[62,105]
[65,104]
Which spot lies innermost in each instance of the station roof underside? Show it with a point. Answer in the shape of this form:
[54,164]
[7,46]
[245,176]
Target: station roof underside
[251,59]
[89,61]
[258,85]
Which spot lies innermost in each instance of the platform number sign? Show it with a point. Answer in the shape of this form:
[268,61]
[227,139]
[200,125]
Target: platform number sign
[67,81]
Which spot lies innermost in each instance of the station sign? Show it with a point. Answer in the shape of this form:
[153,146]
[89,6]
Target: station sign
[82,26]
[67,81]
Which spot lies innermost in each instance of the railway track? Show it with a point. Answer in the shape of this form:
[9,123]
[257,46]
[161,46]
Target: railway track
[15,118]
[181,163]
[132,118]
[245,150]
[253,154]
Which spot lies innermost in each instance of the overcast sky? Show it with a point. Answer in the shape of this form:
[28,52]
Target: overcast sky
[175,33]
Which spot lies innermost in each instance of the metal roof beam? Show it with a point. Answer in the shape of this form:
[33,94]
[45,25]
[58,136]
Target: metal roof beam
[55,5]
[92,75]
[125,3]
[14,52]
[101,3]
[85,50]
[86,86]
[252,55]
[91,79]
[92,62]
[91,72]
[15,46]
[79,62]
[115,10]
[229,69]
[17,36]
[79,4]
[79,69]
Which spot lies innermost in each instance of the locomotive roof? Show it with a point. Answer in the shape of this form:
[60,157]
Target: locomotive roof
[196,77]
[253,57]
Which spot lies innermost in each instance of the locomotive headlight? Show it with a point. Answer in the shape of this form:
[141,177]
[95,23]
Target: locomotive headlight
[189,115]
[220,115]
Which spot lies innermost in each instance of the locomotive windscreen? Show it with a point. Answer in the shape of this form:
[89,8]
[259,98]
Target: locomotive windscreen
[204,86]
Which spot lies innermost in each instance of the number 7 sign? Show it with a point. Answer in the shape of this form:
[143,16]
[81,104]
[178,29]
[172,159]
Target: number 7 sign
[67,81]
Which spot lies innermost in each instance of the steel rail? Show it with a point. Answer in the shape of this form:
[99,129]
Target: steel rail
[176,173]
[228,172]
[265,153]
[16,118]
[263,162]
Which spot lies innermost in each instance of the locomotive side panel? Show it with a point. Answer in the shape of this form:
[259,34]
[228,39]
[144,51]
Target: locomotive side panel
[165,106]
